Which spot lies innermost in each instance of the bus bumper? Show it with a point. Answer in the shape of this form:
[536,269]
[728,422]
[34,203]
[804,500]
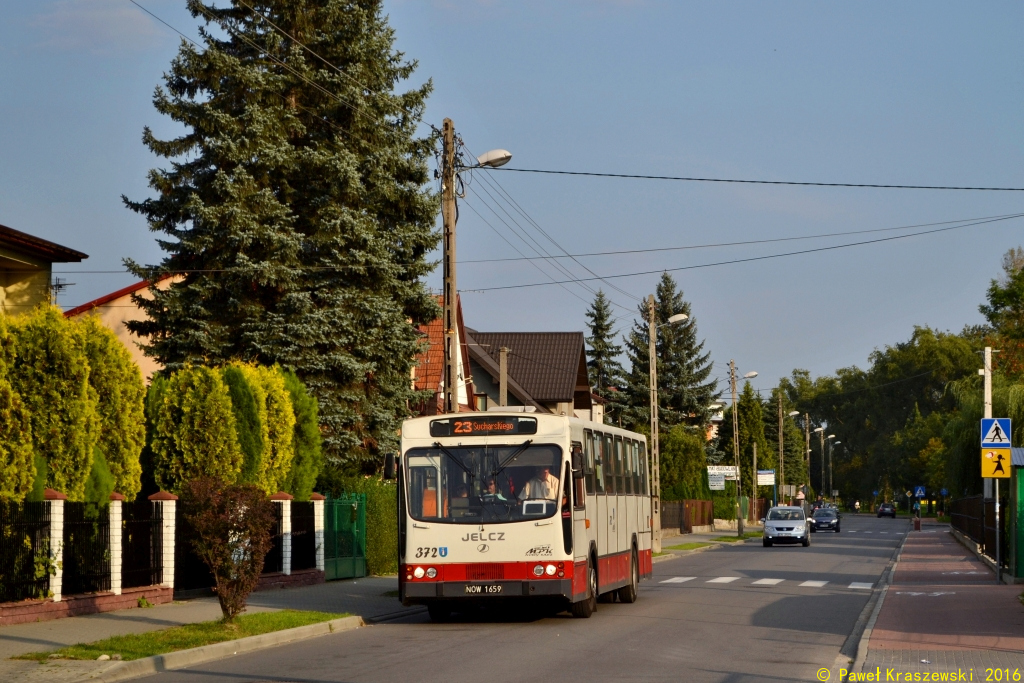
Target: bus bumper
[415,593]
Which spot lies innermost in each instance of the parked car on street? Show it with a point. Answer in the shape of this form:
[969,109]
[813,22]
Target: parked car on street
[825,519]
[887,510]
[785,524]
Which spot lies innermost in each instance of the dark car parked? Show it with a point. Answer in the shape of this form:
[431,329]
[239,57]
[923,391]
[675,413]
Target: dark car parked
[824,519]
[887,510]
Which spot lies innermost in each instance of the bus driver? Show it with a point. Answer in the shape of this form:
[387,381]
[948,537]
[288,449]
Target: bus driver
[543,485]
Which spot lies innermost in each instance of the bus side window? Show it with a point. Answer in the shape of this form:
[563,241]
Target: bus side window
[643,468]
[636,467]
[579,493]
[588,459]
[599,462]
[611,484]
[621,471]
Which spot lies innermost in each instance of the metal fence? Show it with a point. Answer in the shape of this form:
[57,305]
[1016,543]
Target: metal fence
[24,550]
[345,536]
[141,544]
[303,536]
[190,572]
[86,548]
[274,561]
[975,518]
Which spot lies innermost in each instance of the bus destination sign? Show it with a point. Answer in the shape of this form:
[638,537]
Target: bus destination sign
[483,426]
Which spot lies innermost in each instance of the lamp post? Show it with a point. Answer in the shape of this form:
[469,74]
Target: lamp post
[652,349]
[821,480]
[450,167]
[830,445]
[736,446]
[782,463]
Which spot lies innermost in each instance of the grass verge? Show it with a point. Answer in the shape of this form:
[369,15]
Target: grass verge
[139,645]
[737,539]
[689,546]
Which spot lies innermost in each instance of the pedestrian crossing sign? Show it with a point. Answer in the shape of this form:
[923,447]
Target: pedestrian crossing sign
[995,463]
[995,432]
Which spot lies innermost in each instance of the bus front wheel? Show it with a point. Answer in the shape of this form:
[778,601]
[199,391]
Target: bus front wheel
[628,592]
[585,608]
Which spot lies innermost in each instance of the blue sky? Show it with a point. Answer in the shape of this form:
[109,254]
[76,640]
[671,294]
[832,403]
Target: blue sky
[903,93]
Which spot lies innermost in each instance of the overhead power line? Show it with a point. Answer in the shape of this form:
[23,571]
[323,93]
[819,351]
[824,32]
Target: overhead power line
[755,182]
[759,258]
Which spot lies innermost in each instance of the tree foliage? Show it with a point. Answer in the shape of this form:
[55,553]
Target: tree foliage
[603,367]
[304,189]
[232,525]
[280,421]
[120,392]
[51,374]
[685,392]
[250,408]
[308,460]
[683,464]
[194,432]
[17,470]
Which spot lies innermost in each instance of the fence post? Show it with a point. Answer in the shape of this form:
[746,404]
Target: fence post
[56,501]
[168,511]
[114,540]
[285,501]
[318,529]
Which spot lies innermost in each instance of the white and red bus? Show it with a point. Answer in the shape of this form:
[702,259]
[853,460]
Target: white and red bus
[496,506]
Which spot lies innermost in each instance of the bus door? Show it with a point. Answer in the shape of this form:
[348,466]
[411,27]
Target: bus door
[611,482]
[624,487]
[599,522]
[580,489]
[633,448]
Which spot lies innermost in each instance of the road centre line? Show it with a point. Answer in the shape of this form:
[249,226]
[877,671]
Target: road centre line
[768,582]
[723,579]
[813,584]
[857,585]
[679,579]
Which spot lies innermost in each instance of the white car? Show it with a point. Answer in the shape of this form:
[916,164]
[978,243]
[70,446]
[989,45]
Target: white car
[786,524]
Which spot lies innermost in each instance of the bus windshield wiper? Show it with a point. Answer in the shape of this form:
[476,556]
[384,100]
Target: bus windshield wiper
[457,461]
[509,459]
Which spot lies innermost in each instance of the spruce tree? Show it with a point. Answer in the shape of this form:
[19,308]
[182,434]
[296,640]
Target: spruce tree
[603,367]
[295,206]
[685,391]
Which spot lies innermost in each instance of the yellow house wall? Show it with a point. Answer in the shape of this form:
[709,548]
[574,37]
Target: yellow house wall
[24,282]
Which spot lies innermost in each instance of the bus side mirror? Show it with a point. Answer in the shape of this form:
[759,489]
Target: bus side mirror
[577,464]
[390,471]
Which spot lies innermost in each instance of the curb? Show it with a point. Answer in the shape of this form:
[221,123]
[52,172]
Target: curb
[985,559]
[207,653]
[865,636]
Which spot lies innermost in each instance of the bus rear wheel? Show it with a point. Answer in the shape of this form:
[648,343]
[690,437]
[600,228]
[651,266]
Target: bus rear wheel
[584,608]
[628,592]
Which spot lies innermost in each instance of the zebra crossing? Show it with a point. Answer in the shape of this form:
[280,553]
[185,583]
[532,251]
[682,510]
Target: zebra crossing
[855,585]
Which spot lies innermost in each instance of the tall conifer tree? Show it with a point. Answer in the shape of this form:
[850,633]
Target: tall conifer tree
[684,368]
[295,207]
[603,366]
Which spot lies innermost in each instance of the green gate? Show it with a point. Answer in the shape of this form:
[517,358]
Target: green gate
[345,536]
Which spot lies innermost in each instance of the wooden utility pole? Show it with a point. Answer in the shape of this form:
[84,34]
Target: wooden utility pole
[450,320]
[503,376]
[652,331]
[782,466]
[807,446]
[736,448]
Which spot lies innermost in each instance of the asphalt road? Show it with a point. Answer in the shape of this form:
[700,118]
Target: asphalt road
[718,625]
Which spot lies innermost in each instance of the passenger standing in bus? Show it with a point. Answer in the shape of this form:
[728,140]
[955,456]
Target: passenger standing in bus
[543,485]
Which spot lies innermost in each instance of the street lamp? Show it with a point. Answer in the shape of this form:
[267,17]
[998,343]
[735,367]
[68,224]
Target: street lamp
[736,445]
[655,452]
[830,445]
[820,431]
[782,464]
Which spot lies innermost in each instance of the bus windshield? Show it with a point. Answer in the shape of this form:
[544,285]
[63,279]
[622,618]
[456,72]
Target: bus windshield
[476,484]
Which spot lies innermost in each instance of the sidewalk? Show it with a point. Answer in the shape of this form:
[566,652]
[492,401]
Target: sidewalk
[369,597]
[944,607]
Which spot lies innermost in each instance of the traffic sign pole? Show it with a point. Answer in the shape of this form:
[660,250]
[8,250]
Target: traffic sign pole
[995,448]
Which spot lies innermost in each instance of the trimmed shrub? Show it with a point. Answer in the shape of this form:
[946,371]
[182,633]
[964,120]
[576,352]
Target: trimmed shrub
[232,525]
[308,459]
[101,482]
[278,452]
[17,466]
[51,374]
[249,405]
[194,431]
[120,407]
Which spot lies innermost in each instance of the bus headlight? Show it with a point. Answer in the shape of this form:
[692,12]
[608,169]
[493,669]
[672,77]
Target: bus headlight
[418,572]
[538,570]
[431,573]
[550,569]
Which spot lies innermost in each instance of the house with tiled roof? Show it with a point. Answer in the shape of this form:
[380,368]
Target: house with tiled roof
[116,309]
[26,264]
[428,371]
